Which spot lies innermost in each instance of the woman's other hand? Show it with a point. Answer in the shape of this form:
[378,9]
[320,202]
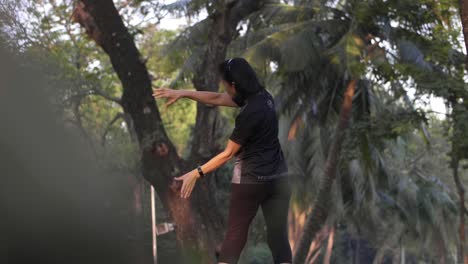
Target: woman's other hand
[171,95]
[189,179]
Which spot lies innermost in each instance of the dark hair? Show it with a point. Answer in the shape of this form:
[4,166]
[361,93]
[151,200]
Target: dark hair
[239,72]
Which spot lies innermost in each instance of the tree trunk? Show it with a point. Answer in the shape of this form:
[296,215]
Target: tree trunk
[320,211]
[225,16]
[461,197]
[316,246]
[328,254]
[296,221]
[464,19]
[159,159]
[455,160]
[209,125]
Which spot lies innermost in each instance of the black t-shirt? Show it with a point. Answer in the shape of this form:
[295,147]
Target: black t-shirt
[260,157]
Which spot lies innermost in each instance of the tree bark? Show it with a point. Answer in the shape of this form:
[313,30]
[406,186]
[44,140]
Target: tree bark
[461,197]
[320,212]
[464,19]
[455,160]
[328,254]
[159,159]
[225,17]
[209,125]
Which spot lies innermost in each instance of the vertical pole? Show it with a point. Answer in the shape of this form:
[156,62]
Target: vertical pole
[153,225]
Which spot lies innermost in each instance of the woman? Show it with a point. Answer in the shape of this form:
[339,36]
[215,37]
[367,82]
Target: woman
[260,175]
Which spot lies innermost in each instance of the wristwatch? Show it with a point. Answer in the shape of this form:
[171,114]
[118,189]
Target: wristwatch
[200,172]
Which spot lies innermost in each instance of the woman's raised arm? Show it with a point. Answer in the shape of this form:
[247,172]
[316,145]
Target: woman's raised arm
[205,97]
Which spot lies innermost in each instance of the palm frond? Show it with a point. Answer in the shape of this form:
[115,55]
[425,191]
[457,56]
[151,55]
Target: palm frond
[194,36]
[276,14]
[181,8]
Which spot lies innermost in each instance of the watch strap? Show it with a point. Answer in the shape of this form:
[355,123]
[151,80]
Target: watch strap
[200,172]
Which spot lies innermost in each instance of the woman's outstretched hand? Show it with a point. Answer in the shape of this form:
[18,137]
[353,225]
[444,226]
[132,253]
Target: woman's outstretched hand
[189,179]
[171,95]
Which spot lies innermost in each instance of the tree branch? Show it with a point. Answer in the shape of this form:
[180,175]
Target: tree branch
[103,94]
[94,91]
[116,117]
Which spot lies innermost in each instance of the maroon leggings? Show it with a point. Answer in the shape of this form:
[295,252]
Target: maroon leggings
[273,197]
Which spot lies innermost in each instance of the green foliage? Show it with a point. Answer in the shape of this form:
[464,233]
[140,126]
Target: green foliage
[179,118]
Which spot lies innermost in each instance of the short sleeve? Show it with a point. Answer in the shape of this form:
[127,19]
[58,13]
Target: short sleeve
[238,100]
[244,127]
